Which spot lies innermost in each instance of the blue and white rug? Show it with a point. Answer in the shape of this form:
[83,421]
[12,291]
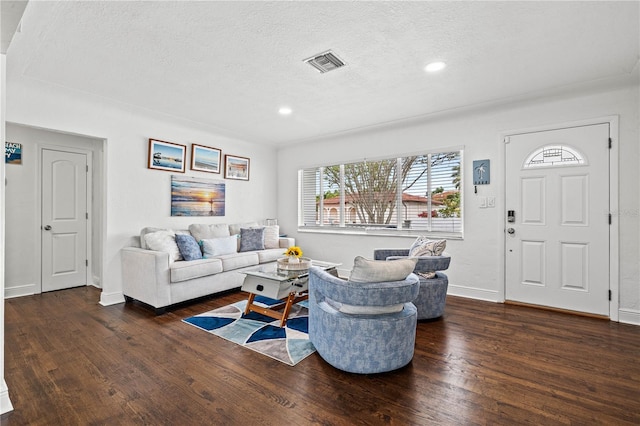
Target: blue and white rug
[289,344]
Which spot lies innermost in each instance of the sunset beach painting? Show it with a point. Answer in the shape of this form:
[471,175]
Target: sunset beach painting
[191,196]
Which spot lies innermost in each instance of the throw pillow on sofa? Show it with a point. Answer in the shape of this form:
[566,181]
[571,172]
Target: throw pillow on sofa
[272,237]
[374,271]
[164,241]
[189,248]
[251,239]
[219,246]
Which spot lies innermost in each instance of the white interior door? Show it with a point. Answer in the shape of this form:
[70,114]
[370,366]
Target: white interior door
[64,219]
[557,244]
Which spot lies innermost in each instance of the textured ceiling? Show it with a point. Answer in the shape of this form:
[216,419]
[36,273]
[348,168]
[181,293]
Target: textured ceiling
[232,65]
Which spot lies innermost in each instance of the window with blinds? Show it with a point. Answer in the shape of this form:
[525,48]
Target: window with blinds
[413,194]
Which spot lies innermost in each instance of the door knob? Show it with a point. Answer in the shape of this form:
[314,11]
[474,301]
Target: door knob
[511,231]
[47,228]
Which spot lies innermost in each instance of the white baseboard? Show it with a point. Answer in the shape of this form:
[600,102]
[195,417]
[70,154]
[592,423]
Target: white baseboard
[108,299]
[473,293]
[629,316]
[5,402]
[19,291]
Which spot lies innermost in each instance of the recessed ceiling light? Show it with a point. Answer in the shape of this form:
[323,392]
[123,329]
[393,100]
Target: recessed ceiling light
[285,111]
[435,66]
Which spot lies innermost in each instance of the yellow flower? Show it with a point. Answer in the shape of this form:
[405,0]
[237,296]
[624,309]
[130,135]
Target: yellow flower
[294,251]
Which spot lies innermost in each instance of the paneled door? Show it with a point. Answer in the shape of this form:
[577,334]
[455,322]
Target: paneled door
[64,219]
[557,230]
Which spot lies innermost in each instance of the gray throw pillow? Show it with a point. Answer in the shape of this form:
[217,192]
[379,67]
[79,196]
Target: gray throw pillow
[251,239]
[189,248]
[375,271]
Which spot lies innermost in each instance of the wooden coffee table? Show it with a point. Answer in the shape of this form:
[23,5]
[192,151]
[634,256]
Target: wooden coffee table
[290,288]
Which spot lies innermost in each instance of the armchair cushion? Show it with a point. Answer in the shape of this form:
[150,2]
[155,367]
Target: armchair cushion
[374,271]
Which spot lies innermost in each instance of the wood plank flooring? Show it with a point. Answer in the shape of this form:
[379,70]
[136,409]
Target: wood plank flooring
[70,361]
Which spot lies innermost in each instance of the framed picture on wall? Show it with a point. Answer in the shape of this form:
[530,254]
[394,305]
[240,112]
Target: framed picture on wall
[205,159]
[236,167]
[167,156]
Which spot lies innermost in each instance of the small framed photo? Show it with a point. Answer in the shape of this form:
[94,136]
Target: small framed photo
[167,156]
[205,159]
[236,167]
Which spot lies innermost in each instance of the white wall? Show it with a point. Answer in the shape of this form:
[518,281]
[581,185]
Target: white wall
[476,269]
[22,214]
[134,195]
[5,402]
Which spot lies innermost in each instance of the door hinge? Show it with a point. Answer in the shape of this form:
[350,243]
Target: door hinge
[87,166]
[609,295]
[87,215]
[610,218]
[86,262]
[610,143]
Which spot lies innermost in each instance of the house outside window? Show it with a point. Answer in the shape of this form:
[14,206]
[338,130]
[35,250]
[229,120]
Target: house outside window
[417,194]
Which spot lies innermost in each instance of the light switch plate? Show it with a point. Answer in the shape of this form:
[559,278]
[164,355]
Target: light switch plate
[491,202]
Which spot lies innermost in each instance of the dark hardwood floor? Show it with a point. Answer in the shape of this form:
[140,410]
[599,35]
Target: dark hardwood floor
[70,361]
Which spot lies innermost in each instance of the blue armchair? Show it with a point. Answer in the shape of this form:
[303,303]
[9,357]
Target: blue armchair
[362,327]
[433,291]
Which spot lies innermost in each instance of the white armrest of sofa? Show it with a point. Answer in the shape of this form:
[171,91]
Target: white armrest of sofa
[286,242]
[146,275]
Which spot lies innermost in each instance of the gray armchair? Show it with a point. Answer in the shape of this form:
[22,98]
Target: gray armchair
[362,327]
[433,291]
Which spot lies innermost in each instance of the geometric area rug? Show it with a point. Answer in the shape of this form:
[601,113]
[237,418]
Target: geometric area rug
[258,332]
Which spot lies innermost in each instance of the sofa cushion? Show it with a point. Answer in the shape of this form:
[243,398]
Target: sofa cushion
[423,246]
[271,237]
[269,255]
[374,271]
[164,241]
[201,231]
[238,260]
[219,246]
[251,239]
[235,227]
[189,248]
[183,271]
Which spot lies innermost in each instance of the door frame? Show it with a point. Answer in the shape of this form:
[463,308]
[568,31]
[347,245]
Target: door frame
[614,234]
[89,174]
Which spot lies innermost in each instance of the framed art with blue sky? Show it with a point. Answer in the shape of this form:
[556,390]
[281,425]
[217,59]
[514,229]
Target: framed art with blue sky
[167,156]
[205,158]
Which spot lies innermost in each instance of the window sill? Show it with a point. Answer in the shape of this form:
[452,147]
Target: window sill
[408,233]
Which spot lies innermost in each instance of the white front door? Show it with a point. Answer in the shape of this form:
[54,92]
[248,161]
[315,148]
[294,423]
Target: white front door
[557,242]
[64,219]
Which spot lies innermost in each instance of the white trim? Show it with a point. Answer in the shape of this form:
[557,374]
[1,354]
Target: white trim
[614,187]
[473,293]
[19,291]
[5,402]
[108,299]
[629,316]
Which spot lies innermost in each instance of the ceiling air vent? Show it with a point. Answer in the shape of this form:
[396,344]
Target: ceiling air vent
[325,62]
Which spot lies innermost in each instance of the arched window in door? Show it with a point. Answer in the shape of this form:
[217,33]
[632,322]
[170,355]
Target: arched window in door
[554,156]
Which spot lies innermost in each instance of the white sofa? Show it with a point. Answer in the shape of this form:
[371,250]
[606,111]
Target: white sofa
[154,278]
